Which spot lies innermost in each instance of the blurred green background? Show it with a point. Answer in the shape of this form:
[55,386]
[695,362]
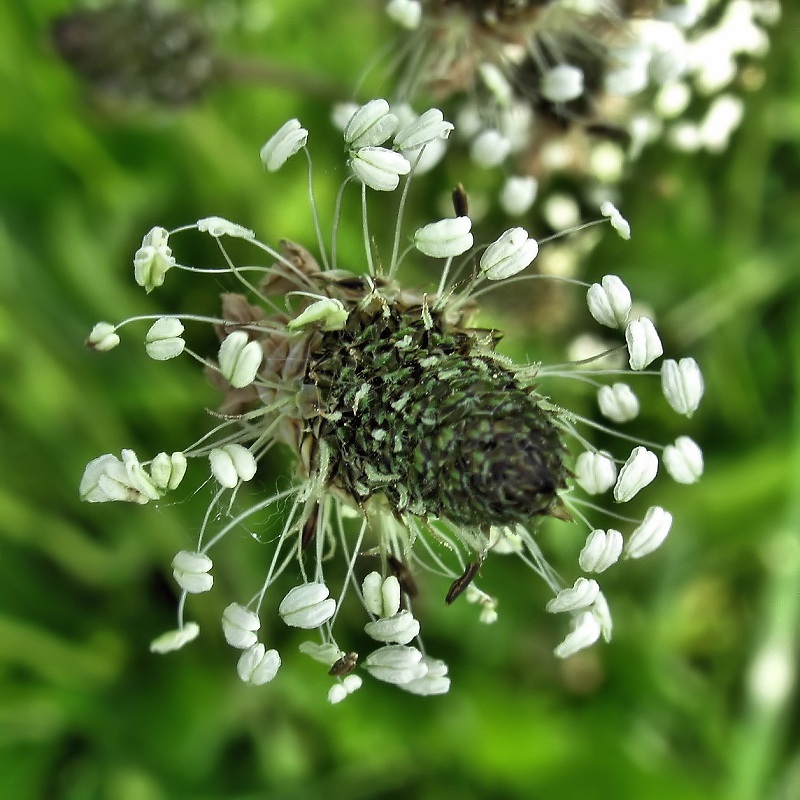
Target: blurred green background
[694,698]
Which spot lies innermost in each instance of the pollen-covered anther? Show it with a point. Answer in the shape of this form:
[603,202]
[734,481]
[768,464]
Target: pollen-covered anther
[219,226]
[602,549]
[400,628]
[282,145]
[379,168]
[586,630]
[684,460]
[232,463]
[644,344]
[103,337]
[618,222]
[578,596]
[445,238]
[433,682]
[175,639]
[650,534]
[490,148]
[395,663]
[381,595]
[372,124]
[637,472]
[595,473]
[239,359]
[167,471]
[618,402]
[609,301]
[307,606]
[422,130]
[327,314]
[513,251]
[257,665]
[191,571]
[562,83]
[239,625]
[682,383]
[163,341]
[153,259]
[406,13]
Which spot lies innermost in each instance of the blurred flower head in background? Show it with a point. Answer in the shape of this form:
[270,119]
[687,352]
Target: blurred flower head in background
[418,448]
[571,91]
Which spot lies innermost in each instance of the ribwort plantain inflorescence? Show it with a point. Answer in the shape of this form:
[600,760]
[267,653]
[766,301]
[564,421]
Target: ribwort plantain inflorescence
[418,447]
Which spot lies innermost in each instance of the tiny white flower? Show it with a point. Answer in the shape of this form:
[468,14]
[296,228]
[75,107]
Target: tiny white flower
[562,83]
[602,549]
[650,534]
[352,683]
[257,665]
[490,148]
[174,640]
[219,226]
[445,238]
[381,595]
[602,614]
[424,159]
[239,625]
[433,682]
[307,606]
[494,80]
[626,81]
[682,383]
[406,13]
[163,341]
[618,402]
[232,463]
[684,460]
[342,113]
[575,598]
[644,345]
[336,694]
[190,571]
[379,168]
[400,628]
[595,473]
[282,145]
[167,471]
[618,222]
[153,259]
[239,359]
[609,301]
[371,125]
[637,472]
[422,130]
[328,314]
[327,653]
[103,337]
[511,253]
[585,632]
[109,479]
[398,664]
[518,195]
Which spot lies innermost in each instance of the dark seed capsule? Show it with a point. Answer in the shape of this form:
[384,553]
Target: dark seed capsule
[461,583]
[403,575]
[345,665]
[460,201]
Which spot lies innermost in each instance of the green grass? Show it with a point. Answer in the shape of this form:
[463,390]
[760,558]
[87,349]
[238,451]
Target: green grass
[666,711]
